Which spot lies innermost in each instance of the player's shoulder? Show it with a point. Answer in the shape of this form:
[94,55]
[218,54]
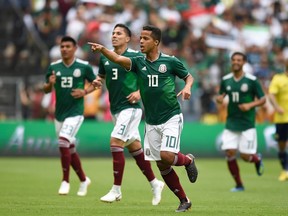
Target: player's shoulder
[250,76]
[227,76]
[56,62]
[279,76]
[132,53]
[171,59]
[80,61]
[164,55]
[129,50]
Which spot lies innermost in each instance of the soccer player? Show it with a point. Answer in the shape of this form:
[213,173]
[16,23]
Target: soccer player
[245,93]
[278,95]
[67,76]
[156,74]
[126,111]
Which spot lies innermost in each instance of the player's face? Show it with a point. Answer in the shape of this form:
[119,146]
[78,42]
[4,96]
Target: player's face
[119,37]
[147,43]
[67,49]
[237,63]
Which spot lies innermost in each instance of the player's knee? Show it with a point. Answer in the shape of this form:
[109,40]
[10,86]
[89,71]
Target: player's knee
[72,149]
[230,153]
[116,148]
[63,142]
[116,142]
[245,157]
[167,157]
[164,168]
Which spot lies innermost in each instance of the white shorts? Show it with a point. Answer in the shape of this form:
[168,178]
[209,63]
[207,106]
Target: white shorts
[164,137]
[126,125]
[69,128]
[245,141]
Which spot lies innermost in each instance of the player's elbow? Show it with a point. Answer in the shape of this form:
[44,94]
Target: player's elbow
[47,88]
[262,101]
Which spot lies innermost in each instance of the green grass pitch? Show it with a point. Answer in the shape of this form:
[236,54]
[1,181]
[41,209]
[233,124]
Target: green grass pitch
[29,186]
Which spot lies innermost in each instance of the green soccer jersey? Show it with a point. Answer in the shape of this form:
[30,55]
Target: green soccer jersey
[242,91]
[157,86]
[68,78]
[119,82]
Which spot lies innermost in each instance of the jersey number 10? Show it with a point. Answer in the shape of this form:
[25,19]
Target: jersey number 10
[153,80]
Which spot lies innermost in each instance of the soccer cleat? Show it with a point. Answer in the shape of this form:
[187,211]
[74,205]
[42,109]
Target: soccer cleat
[237,189]
[259,166]
[112,196]
[191,169]
[283,176]
[185,205]
[157,191]
[83,187]
[64,188]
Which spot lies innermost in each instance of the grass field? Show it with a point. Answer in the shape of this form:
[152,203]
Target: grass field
[29,187]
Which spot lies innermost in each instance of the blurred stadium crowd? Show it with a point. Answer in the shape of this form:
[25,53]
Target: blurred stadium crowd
[202,34]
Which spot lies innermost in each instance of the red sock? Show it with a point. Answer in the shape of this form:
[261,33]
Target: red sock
[65,162]
[76,164]
[145,166]
[181,160]
[172,181]
[118,164]
[254,158]
[235,172]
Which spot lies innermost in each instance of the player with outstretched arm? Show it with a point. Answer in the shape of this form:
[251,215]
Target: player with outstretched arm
[156,74]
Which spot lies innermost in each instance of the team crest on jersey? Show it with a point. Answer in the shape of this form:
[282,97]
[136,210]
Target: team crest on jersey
[244,87]
[58,73]
[77,72]
[162,68]
[228,88]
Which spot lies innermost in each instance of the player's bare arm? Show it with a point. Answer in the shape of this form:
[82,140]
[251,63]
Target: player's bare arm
[98,82]
[247,106]
[78,93]
[275,105]
[111,55]
[134,97]
[49,86]
[186,91]
[220,98]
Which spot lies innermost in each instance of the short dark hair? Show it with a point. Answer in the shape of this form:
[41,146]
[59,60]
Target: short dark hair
[126,29]
[241,54]
[68,39]
[156,32]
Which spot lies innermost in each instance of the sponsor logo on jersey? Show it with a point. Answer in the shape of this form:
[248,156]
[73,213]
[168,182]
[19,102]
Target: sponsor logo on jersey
[58,73]
[244,87]
[106,63]
[77,72]
[162,68]
[147,152]
[144,68]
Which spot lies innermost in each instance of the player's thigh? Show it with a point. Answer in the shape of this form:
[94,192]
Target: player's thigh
[70,127]
[248,141]
[282,132]
[126,126]
[171,133]
[152,142]
[230,140]
[58,126]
